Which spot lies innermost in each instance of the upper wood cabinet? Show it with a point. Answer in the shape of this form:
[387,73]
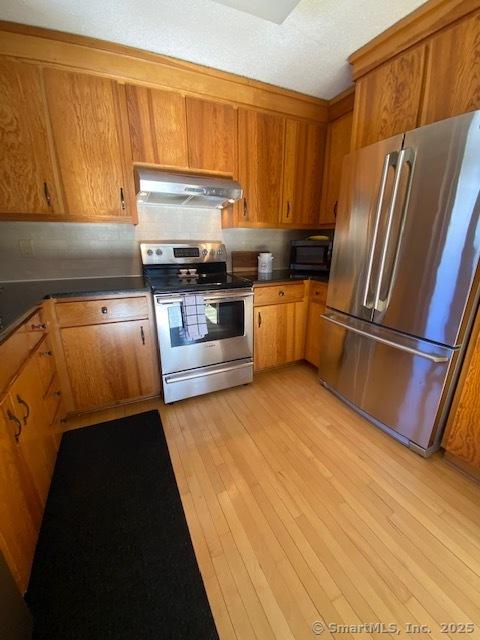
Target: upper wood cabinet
[90,138]
[339,138]
[27,179]
[303,171]
[261,138]
[453,71]
[157,122]
[387,100]
[211,133]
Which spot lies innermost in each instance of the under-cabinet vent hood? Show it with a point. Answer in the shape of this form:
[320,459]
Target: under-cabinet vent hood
[183,190]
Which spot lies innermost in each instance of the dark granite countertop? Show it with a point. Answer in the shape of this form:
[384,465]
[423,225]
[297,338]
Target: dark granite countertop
[19,299]
[282,275]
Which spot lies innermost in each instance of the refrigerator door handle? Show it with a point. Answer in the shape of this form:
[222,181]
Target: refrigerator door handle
[390,343]
[389,161]
[407,158]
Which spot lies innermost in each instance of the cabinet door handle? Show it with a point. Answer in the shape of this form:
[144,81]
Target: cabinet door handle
[335,207]
[259,319]
[46,193]
[17,422]
[142,334]
[46,353]
[39,327]
[288,209]
[21,401]
[122,198]
[245,208]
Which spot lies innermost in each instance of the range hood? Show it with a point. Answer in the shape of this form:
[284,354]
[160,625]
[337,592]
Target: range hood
[182,190]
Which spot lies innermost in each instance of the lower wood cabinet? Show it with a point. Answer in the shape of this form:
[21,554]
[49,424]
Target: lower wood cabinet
[316,306]
[110,363]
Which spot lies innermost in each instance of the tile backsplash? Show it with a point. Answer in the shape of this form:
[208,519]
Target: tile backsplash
[42,250]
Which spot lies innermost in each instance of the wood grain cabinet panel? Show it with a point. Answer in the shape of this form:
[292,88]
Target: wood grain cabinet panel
[18,528]
[211,132]
[278,294]
[453,71]
[110,363]
[316,307]
[387,100]
[99,311]
[339,138]
[279,335]
[27,180]
[304,159]
[89,137]
[158,128]
[261,139]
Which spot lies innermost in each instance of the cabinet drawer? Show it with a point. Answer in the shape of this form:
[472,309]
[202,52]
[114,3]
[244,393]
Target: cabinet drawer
[279,293]
[71,314]
[318,292]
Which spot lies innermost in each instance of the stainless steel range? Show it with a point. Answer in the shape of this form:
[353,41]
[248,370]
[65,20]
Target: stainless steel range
[224,356]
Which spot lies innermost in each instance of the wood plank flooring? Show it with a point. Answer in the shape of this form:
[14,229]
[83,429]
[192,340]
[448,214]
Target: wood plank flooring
[302,513]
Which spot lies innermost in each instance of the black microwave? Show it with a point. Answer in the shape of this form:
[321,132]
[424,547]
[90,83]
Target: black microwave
[311,255]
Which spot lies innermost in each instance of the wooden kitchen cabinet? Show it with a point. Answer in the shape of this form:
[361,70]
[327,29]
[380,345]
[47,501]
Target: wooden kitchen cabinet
[261,138]
[339,138]
[388,99]
[110,363]
[91,143]
[19,521]
[157,123]
[211,133]
[27,178]
[303,172]
[452,82]
[316,307]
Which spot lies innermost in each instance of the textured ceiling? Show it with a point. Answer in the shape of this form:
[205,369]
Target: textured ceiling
[306,53]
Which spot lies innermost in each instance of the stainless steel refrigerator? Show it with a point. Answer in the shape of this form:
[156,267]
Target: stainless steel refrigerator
[403,283]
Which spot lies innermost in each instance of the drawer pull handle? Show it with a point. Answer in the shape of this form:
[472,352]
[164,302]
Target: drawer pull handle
[104,310]
[142,335]
[281,293]
[46,353]
[21,401]
[18,424]
[56,394]
[39,327]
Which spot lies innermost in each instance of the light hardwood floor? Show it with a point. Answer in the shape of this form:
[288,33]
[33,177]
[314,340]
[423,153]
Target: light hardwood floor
[301,511]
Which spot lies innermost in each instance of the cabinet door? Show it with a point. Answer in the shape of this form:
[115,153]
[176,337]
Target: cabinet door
[19,524]
[387,100]
[453,71]
[338,146]
[37,444]
[211,136]
[89,142]
[261,139]
[109,363]
[279,334]
[158,129]
[312,338]
[27,183]
[302,186]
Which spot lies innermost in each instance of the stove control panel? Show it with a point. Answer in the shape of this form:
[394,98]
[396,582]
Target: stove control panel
[182,252]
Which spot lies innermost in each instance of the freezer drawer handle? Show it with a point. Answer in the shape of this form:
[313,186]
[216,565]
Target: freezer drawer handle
[201,374]
[390,343]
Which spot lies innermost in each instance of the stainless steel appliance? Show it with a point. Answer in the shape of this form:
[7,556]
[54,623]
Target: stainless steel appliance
[403,281]
[224,357]
[183,190]
[307,256]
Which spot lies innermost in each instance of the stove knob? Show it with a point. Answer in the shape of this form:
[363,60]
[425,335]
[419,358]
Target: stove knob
[219,252]
[149,252]
[159,252]
[204,252]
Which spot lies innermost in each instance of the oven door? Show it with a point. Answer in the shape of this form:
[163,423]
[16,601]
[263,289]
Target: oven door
[229,315]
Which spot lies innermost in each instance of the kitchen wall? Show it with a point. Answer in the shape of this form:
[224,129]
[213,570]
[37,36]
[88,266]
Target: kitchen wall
[42,250]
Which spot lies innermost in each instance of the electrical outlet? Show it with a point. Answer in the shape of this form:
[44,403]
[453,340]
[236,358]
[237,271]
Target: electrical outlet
[26,248]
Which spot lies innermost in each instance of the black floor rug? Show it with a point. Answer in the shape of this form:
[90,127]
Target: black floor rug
[114,559]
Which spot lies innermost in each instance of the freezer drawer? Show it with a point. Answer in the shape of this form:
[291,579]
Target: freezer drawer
[397,380]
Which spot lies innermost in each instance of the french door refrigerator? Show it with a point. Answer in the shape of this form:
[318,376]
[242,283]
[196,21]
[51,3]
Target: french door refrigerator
[403,281]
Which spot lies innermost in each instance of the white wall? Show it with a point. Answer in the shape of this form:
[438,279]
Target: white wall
[66,249]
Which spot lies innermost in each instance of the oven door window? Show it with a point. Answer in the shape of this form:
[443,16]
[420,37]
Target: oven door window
[224,320]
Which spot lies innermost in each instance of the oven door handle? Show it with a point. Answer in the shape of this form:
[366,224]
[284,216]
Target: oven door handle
[229,297]
[202,374]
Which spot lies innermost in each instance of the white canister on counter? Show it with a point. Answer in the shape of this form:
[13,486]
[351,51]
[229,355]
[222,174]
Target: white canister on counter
[265,263]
